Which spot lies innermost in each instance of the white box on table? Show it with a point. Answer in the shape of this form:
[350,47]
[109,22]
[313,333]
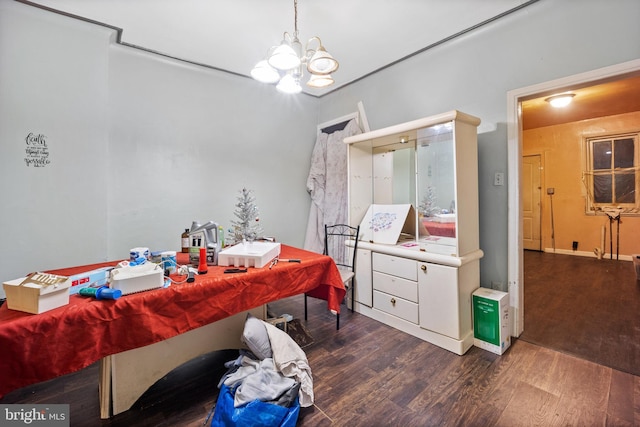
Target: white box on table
[37,293]
[254,254]
[130,279]
[491,320]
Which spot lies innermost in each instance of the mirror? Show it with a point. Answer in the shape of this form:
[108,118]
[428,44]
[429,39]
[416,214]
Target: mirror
[411,175]
[394,190]
[436,180]
[420,172]
[414,185]
[394,170]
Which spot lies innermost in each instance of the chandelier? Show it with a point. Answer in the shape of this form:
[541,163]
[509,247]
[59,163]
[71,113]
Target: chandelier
[285,63]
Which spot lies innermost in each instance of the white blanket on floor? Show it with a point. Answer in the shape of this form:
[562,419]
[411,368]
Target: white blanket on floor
[257,380]
[292,362]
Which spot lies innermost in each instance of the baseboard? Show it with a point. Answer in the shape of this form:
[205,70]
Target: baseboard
[586,254]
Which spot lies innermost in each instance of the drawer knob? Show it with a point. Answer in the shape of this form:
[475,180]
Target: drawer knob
[393,301]
[423,267]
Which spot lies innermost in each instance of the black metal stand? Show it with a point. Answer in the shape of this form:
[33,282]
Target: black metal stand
[614,216]
[610,238]
[617,235]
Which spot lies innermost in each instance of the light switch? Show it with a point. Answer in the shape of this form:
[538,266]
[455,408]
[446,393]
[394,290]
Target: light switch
[498,178]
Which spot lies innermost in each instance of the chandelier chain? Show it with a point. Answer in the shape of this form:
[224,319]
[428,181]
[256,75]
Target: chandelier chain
[295,17]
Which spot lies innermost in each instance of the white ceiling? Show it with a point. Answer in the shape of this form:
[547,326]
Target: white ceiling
[232,35]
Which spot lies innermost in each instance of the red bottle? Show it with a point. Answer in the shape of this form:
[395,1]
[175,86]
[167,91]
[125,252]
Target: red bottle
[202,266]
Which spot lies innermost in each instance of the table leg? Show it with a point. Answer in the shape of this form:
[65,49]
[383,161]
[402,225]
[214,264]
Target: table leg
[104,387]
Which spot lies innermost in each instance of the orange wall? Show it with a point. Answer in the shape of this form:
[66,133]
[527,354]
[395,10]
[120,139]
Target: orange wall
[561,154]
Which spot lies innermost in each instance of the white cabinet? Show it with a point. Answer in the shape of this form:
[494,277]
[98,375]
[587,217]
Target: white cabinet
[363,288]
[445,300]
[422,283]
[439,299]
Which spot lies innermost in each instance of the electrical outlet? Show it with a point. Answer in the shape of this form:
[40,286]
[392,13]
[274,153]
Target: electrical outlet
[498,178]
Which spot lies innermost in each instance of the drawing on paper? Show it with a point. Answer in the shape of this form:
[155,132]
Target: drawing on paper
[382,221]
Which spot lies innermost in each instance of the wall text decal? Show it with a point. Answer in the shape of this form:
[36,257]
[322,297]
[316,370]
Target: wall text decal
[37,152]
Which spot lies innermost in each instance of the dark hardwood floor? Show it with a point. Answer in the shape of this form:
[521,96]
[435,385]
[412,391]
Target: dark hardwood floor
[583,306]
[368,374]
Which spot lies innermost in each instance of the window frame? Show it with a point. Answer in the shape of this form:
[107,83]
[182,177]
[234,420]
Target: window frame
[591,206]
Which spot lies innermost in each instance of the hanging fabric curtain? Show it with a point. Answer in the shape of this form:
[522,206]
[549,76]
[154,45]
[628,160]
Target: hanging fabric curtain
[327,184]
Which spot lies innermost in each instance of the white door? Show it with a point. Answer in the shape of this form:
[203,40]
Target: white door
[531,191]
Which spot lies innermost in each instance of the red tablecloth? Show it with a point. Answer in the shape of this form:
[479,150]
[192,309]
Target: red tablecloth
[39,347]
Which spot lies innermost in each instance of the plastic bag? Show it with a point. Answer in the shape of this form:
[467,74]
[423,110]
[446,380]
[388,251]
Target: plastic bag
[253,414]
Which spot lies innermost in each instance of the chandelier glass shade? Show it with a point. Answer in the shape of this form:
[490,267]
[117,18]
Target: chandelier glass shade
[284,57]
[317,80]
[321,62]
[265,73]
[289,84]
[286,62]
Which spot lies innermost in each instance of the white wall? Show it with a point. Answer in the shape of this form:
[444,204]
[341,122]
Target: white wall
[185,140]
[53,82]
[473,73]
[139,146]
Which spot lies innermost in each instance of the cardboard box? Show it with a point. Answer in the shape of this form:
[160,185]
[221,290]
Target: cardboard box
[37,293]
[491,330]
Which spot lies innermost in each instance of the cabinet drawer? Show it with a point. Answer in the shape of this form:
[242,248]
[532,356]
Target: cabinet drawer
[396,286]
[401,267]
[396,306]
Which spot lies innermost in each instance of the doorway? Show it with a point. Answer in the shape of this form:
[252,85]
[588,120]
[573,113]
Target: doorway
[515,170]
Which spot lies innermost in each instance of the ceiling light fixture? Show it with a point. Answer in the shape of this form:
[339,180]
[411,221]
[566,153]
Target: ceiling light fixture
[562,100]
[285,62]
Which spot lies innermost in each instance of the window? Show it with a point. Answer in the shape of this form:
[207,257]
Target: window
[612,172]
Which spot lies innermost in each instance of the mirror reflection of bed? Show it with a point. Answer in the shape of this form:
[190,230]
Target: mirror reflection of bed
[424,161]
[442,227]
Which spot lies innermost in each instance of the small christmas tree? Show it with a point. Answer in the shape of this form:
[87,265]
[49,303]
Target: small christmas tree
[247,227]
[429,205]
